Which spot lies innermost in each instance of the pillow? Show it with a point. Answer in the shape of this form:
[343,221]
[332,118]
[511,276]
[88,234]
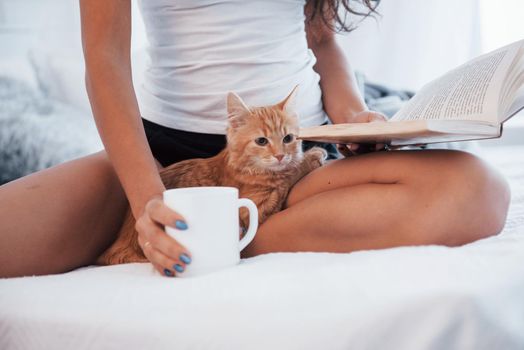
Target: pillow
[61,76]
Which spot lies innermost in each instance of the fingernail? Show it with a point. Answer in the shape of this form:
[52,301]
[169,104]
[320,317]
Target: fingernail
[168,272]
[185,258]
[178,268]
[181,225]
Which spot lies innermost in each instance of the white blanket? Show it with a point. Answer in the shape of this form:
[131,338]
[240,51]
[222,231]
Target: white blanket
[426,297]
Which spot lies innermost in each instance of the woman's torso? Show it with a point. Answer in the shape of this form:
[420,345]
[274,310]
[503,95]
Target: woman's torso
[201,49]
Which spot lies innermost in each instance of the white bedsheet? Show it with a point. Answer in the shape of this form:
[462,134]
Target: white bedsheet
[428,297]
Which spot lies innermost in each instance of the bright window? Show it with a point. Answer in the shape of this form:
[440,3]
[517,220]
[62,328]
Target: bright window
[501,23]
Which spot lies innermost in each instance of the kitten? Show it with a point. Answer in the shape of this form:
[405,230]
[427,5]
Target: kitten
[262,158]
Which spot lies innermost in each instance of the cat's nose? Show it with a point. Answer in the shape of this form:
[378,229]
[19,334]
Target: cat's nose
[279,157]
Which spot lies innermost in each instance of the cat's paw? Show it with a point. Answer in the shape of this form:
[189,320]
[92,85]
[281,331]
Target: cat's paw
[316,156]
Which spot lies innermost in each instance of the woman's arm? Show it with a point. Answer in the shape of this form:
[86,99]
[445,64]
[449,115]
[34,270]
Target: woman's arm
[106,37]
[341,98]
[340,94]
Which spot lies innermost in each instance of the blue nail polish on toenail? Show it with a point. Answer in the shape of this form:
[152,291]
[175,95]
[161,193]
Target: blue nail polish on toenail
[168,272]
[178,268]
[181,225]
[185,258]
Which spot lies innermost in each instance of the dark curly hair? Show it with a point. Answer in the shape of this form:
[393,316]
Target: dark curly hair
[334,13]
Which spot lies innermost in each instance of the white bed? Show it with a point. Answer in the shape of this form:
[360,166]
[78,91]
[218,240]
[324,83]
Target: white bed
[427,297]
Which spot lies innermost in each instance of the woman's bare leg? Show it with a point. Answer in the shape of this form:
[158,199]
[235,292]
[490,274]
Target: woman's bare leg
[389,199]
[60,218]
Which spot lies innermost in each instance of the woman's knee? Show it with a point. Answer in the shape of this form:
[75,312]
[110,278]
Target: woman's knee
[490,194]
[475,197]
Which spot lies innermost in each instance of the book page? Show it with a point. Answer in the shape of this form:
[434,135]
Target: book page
[469,92]
[517,106]
[512,97]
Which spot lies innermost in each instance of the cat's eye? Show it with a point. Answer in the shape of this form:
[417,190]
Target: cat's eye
[261,141]
[288,138]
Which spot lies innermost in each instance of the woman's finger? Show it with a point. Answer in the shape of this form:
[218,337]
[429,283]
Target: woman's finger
[145,245]
[344,150]
[380,146]
[148,250]
[160,240]
[376,117]
[166,265]
[159,212]
[354,147]
[152,238]
[368,116]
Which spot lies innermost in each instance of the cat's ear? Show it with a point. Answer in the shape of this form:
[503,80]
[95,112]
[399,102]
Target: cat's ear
[288,104]
[237,110]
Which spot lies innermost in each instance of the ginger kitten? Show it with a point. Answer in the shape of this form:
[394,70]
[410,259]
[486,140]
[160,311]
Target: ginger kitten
[262,158]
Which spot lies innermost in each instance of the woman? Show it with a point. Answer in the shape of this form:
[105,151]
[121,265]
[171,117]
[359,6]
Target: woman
[64,217]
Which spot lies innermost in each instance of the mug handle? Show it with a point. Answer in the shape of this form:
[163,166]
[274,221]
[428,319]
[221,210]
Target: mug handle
[253,222]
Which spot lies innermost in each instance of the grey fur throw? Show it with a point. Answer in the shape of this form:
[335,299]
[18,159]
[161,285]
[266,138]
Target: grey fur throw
[37,132]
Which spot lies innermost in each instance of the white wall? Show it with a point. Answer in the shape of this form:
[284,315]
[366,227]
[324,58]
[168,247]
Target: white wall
[414,41]
[44,36]
[47,24]
[502,22]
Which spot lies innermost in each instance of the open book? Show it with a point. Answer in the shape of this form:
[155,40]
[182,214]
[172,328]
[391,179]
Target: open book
[469,102]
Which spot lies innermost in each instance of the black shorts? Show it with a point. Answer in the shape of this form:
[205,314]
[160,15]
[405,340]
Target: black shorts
[171,145]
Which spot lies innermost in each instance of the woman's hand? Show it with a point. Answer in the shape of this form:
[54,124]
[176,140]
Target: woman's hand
[352,149]
[167,255]
[106,39]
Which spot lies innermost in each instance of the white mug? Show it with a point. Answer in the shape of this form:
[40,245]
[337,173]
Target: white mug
[212,236]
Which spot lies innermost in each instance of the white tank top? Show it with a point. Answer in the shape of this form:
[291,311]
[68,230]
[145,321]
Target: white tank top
[201,49]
